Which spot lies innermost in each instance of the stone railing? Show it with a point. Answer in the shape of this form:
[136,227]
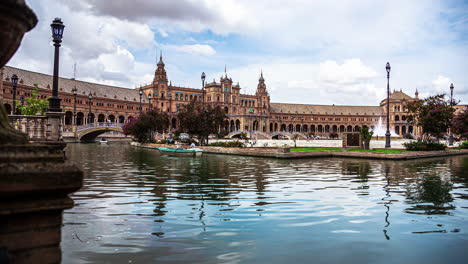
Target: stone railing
[34,127]
[99,125]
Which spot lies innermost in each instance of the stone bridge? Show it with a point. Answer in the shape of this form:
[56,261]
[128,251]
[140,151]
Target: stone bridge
[262,135]
[89,132]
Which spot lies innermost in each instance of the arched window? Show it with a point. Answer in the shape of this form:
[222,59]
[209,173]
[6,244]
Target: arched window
[397,118]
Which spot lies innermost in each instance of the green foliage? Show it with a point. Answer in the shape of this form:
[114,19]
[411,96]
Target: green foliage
[379,150]
[144,126]
[314,149]
[228,144]
[424,146]
[460,124]
[243,135]
[200,120]
[366,136]
[433,114]
[33,105]
[294,137]
[463,145]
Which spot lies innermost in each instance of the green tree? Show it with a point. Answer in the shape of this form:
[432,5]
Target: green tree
[460,124]
[366,136]
[144,126]
[33,105]
[294,137]
[200,120]
[432,114]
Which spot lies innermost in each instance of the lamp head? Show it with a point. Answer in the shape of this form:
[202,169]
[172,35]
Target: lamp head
[203,76]
[14,79]
[57,29]
[387,67]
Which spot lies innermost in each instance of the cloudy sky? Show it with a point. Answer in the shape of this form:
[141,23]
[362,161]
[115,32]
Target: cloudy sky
[310,51]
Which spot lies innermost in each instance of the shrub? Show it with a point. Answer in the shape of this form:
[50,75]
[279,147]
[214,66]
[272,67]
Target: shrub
[408,136]
[333,135]
[463,145]
[424,146]
[228,144]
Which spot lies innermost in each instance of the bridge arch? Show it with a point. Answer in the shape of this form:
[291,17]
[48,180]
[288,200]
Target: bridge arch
[90,132]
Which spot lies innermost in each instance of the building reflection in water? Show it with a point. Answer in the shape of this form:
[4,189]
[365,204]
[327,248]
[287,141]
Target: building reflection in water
[137,200]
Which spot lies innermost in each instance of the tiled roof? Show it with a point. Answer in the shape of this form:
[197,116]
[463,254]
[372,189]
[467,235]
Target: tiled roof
[44,81]
[325,109]
[399,95]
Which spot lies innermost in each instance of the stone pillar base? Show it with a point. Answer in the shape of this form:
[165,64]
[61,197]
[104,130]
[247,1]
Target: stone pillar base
[54,126]
[34,185]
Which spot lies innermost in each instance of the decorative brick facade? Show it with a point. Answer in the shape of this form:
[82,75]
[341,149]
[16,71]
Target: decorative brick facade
[245,112]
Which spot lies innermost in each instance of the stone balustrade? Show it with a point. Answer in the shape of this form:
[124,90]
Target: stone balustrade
[35,127]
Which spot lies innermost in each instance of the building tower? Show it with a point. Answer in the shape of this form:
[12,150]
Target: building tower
[160,91]
[262,94]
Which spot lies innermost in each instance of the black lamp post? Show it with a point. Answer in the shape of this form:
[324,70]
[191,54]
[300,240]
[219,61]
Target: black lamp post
[75,92]
[57,33]
[14,82]
[141,94]
[149,102]
[203,76]
[251,111]
[90,97]
[451,108]
[387,134]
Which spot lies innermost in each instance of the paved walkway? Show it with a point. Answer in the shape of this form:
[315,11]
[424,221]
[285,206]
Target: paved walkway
[283,153]
[321,143]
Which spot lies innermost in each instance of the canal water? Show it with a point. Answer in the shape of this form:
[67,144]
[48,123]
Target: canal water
[137,206]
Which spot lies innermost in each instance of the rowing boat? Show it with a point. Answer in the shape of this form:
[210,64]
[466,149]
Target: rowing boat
[192,152]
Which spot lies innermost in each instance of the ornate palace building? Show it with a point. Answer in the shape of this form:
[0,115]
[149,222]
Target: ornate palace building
[245,112]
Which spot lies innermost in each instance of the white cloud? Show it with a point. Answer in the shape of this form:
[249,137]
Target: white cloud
[441,84]
[195,49]
[350,72]
[303,46]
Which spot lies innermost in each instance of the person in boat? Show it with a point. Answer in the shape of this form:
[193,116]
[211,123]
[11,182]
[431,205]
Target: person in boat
[178,146]
[192,145]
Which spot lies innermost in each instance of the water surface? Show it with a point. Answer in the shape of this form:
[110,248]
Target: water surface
[137,206]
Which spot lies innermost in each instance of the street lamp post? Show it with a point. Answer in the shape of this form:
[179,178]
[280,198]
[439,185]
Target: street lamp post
[203,76]
[387,134]
[75,92]
[90,97]
[251,111]
[141,94]
[149,102]
[451,108]
[57,33]
[14,82]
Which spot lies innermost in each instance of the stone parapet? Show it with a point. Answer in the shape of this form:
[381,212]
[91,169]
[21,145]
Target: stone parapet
[282,153]
[35,182]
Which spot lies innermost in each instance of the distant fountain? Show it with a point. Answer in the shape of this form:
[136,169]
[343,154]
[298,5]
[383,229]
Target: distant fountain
[380,130]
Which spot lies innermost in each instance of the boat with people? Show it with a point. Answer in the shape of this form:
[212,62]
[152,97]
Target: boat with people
[103,141]
[191,152]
